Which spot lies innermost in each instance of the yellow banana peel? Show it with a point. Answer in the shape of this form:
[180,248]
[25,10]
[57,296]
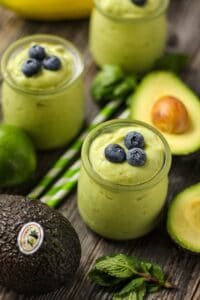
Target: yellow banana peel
[50,9]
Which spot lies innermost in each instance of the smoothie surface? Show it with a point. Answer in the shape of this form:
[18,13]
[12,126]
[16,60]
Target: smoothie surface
[45,79]
[124,173]
[127,9]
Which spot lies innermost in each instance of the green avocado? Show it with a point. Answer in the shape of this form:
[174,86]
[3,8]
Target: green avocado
[183,221]
[39,249]
[184,115]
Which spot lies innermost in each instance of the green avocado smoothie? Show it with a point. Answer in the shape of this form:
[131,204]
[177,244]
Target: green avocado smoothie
[121,200]
[128,34]
[43,89]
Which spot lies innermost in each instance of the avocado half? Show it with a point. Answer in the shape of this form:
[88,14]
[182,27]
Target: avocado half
[159,84]
[39,249]
[183,220]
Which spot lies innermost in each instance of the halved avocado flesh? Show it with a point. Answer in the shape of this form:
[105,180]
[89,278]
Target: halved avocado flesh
[183,220]
[160,84]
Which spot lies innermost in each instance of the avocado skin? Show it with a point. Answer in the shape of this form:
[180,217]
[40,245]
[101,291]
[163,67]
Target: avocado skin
[56,261]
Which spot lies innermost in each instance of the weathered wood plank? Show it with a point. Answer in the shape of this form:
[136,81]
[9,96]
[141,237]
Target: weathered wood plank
[184,269]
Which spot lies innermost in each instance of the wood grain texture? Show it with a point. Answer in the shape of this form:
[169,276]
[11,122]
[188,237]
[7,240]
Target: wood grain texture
[184,269]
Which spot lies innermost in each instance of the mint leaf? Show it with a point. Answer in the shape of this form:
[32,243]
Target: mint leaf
[119,265]
[133,286]
[126,87]
[136,289]
[111,83]
[141,293]
[174,62]
[102,92]
[131,296]
[157,272]
[136,262]
[145,267]
[110,75]
[153,288]
[103,279]
[105,82]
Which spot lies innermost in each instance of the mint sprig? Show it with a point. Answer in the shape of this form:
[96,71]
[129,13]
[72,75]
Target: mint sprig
[135,277]
[133,289]
[112,83]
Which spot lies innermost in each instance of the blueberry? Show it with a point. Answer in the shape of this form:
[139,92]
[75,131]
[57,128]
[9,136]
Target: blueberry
[52,63]
[31,67]
[134,139]
[37,52]
[139,2]
[115,153]
[136,157]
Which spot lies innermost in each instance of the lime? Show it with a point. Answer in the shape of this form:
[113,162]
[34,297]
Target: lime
[17,156]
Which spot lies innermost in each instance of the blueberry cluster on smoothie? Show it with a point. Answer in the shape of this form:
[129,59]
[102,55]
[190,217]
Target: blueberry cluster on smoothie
[42,66]
[136,156]
[129,155]
[38,59]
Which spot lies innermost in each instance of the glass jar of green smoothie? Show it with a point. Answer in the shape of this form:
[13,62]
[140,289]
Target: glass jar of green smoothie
[42,90]
[128,33]
[123,200]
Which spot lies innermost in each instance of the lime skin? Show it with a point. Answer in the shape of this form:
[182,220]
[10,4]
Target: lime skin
[18,158]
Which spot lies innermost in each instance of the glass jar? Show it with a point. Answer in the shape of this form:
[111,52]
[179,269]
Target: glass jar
[133,43]
[51,116]
[118,211]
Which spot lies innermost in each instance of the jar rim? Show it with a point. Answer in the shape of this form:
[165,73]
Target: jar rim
[162,8]
[158,176]
[43,37]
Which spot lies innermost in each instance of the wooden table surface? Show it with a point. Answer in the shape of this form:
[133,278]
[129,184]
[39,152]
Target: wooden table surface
[183,269]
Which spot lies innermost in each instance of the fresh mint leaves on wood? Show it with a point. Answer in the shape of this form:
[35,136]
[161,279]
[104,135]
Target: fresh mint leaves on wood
[132,278]
[111,83]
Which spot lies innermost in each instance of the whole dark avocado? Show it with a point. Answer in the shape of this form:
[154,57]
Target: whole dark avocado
[39,249]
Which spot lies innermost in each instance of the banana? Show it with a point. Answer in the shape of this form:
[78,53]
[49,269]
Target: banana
[50,9]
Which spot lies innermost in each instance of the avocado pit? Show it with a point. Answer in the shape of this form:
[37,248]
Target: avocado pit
[170,115]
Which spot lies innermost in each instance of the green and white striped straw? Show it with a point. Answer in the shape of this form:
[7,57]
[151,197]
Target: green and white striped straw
[68,181]
[66,158]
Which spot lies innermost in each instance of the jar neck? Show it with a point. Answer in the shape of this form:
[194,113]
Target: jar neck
[161,9]
[105,127]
